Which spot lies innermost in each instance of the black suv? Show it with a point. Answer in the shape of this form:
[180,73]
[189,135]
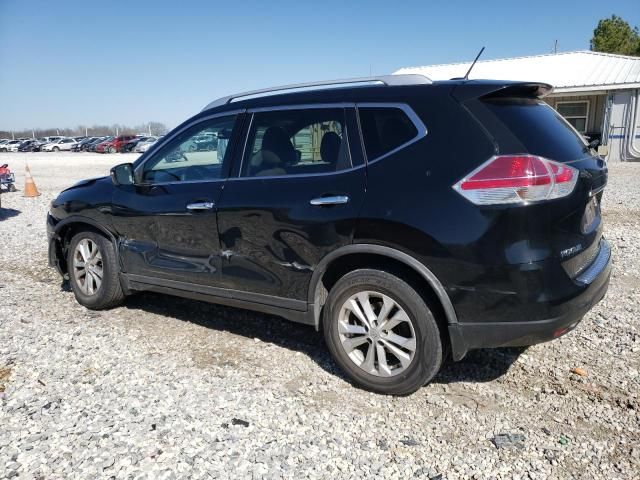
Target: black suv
[405,218]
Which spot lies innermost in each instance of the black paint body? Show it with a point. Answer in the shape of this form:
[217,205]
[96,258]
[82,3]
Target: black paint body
[499,267]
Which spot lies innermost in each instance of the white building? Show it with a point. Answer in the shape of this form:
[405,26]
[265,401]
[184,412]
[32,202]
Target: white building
[598,93]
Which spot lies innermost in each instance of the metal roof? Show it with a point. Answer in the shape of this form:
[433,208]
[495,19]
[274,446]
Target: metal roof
[580,71]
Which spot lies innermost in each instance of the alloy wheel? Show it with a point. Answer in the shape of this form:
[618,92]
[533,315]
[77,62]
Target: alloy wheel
[88,268]
[376,334]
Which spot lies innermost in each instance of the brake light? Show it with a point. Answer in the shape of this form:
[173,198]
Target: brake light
[517,179]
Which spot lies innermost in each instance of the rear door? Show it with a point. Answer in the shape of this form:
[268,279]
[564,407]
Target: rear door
[167,220]
[296,194]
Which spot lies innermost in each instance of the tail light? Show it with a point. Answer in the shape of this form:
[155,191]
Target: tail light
[517,179]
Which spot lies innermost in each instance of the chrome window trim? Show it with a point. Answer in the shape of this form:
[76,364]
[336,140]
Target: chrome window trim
[415,119]
[174,135]
[302,106]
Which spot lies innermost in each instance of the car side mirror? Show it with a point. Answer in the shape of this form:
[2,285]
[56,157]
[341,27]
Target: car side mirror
[122,174]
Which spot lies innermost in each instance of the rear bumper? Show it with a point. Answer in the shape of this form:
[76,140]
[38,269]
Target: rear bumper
[593,282]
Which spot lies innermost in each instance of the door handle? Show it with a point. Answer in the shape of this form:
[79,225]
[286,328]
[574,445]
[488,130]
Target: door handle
[333,200]
[200,206]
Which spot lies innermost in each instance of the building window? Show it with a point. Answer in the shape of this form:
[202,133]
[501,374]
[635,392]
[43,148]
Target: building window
[576,113]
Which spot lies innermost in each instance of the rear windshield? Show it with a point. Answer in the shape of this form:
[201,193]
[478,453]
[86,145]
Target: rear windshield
[522,125]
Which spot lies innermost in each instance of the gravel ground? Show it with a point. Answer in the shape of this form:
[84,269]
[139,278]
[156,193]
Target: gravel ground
[169,388]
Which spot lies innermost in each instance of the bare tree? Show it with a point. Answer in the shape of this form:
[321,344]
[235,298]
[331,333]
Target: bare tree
[153,128]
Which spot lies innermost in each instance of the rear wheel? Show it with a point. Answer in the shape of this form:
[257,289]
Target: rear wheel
[382,333]
[93,271]
[112,149]
[56,149]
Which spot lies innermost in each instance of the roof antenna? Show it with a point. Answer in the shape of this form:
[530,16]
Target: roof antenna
[466,77]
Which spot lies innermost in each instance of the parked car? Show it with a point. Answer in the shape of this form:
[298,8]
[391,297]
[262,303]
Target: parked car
[39,143]
[80,146]
[131,144]
[143,146]
[92,143]
[404,218]
[10,146]
[64,144]
[100,144]
[27,145]
[115,144]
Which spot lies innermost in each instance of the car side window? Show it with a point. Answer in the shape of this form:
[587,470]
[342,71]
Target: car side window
[296,142]
[198,153]
[384,129]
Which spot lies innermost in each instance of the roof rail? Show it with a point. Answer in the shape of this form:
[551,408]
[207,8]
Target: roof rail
[388,80]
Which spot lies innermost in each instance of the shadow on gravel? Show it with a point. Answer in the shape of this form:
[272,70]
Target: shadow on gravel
[8,213]
[484,365]
[478,366]
[267,328]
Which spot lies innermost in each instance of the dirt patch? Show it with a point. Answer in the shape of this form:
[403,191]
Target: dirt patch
[5,373]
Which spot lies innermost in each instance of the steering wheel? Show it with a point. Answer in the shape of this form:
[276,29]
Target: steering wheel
[196,172]
[161,172]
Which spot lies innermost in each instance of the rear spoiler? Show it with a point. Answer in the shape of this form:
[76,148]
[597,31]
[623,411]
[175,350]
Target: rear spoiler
[486,89]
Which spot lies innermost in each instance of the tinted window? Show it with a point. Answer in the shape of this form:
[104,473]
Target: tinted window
[538,128]
[195,154]
[296,142]
[385,129]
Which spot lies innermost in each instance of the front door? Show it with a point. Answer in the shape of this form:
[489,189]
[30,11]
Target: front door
[294,198]
[167,220]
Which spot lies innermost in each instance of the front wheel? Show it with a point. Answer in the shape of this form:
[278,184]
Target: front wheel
[56,149]
[381,332]
[93,271]
[112,149]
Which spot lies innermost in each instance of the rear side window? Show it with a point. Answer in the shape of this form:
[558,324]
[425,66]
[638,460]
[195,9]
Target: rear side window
[531,126]
[297,142]
[384,129]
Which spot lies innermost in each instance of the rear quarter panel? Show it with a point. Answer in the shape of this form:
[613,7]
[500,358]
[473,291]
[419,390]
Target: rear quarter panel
[484,257]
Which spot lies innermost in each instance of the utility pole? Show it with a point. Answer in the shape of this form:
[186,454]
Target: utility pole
[555,47]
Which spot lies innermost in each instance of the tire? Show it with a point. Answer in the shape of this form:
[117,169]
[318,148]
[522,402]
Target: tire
[12,188]
[55,149]
[420,332]
[112,149]
[109,292]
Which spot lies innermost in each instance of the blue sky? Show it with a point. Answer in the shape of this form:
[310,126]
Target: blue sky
[65,63]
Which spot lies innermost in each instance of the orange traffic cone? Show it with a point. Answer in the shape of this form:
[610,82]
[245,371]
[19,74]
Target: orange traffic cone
[30,189]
